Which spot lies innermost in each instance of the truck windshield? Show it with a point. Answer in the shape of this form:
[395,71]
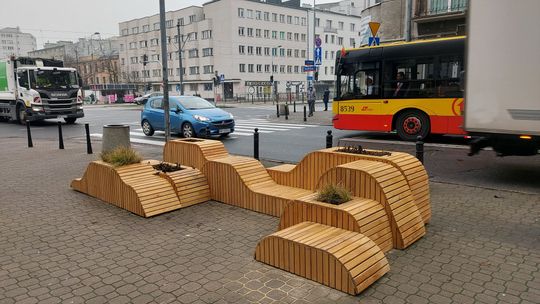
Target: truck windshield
[53,79]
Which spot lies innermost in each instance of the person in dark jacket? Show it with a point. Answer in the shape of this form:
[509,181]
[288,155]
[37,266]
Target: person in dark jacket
[326,97]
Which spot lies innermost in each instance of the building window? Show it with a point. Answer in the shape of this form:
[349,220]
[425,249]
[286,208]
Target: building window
[267,68]
[340,25]
[156,73]
[134,59]
[250,68]
[297,20]
[352,43]
[258,33]
[303,54]
[289,52]
[194,70]
[259,68]
[274,51]
[328,24]
[156,26]
[274,17]
[258,51]
[296,69]
[250,50]
[193,87]
[282,35]
[303,21]
[352,27]
[135,30]
[132,45]
[266,16]
[266,34]
[240,12]
[250,32]
[282,52]
[303,37]
[289,19]
[317,22]
[289,69]
[258,15]
[206,34]
[282,69]
[241,49]
[242,68]
[208,69]
[154,42]
[249,14]
[208,86]
[333,39]
[281,18]
[192,18]
[296,53]
[124,32]
[180,21]
[266,51]
[289,36]
[340,40]
[155,57]
[207,52]
[274,34]
[241,31]
[143,44]
[192,36]
[193,53]
[169,23]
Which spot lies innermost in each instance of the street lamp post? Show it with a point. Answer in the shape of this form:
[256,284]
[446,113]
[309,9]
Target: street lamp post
[92,62]
[274,89]
[180,47]
[165,71]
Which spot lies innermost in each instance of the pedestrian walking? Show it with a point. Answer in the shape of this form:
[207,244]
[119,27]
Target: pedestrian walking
[311,100]
[326,97]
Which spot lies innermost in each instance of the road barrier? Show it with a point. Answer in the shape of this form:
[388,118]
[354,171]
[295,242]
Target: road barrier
[60,137]
[29,134]
[256,144]
[420,149]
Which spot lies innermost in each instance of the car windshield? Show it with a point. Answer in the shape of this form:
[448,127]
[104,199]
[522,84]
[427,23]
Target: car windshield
[53,79]
[195,103]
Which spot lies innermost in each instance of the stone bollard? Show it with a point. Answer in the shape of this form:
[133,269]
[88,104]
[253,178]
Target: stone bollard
[115,136]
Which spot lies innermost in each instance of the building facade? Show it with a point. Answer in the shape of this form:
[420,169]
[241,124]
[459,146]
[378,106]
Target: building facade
[15,42]
[70,52]
[246,41]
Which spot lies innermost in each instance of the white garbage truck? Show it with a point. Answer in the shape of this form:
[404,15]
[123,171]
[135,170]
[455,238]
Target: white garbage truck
[36,89]
[502,92]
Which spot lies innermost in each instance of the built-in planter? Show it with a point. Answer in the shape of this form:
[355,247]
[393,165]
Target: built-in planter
[141,189]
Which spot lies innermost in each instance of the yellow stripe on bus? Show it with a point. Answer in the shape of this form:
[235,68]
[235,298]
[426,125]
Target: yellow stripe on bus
[432,106]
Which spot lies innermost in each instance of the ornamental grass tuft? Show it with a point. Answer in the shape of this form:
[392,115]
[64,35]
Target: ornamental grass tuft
[333,194]
[121,156]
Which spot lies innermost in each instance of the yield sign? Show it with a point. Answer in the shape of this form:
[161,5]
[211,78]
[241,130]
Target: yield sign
[374,26]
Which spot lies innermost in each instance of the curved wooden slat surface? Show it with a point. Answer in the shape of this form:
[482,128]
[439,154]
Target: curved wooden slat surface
[341,259]
[193,152]
[361,215]
[244,182]
[138,189]
[385,184]
[309,170]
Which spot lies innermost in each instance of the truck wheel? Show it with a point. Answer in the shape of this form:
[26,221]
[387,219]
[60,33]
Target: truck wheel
[70,120]
[411,124]
[21,114]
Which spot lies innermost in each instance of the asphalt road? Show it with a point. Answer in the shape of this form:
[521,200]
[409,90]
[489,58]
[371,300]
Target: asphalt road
[445,157]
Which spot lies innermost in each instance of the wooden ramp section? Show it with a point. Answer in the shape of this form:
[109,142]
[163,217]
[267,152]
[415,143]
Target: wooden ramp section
[244,182]
[361,215]
[314,165]
[383,183]
[138,189]
[190,185]
[193,152]
[341,259]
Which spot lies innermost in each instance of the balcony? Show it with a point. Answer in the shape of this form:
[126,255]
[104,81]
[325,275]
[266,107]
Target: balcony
[328,29]
[440,9]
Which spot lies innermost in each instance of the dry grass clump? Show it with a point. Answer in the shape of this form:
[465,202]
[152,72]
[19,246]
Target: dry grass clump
[333,194]
[121,156]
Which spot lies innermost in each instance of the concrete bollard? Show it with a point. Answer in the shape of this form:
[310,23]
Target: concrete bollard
[329,139]
[115,136]
[420,149]
[60,137]
[88,142]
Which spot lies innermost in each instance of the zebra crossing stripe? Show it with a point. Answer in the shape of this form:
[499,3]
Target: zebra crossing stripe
[137,140]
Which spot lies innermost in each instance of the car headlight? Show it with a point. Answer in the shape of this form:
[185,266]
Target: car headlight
[201,118]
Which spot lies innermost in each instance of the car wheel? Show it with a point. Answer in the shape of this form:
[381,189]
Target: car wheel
[21,114]
[147,128]
[188,131]
[70,120]
[411,124]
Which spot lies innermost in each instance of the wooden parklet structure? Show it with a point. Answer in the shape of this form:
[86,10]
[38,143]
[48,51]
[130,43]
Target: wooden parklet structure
[341,246]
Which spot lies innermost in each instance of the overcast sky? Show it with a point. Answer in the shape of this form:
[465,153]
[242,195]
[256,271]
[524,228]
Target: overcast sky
[52,20]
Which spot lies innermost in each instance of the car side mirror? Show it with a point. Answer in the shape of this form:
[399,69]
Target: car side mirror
[177,110]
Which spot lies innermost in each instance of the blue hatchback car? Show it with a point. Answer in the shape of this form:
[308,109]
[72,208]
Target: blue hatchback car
[190,116]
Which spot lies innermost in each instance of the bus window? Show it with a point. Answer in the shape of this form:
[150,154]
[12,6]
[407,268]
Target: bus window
[397,79]
[450,72]
[363,83]
[423,86]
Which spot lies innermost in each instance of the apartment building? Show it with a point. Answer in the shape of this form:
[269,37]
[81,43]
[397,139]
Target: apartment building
[245,40]
[15,42]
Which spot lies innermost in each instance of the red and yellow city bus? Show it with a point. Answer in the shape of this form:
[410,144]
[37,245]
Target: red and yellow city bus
[414,88]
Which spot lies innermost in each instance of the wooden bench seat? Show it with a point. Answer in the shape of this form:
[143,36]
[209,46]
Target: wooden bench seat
[193,152]
[383,183]
[361,215]
[338,258]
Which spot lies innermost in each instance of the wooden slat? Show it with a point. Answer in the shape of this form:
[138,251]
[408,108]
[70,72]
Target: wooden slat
[341,259]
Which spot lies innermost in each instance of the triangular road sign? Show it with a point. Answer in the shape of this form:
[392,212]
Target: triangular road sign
[374,26]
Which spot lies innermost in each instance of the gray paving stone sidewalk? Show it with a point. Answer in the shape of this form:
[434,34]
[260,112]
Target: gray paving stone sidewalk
[60,246]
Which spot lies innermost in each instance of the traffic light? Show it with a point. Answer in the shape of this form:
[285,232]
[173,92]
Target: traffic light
[145,59]
[271,78]
[316,76]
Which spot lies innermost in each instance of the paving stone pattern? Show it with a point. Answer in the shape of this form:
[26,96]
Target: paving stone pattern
[60,246]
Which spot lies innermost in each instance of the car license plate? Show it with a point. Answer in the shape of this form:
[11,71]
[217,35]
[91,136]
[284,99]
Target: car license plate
[221,131]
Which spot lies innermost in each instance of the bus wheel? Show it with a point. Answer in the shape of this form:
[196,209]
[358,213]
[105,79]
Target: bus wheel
[21,114]
[411,124]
